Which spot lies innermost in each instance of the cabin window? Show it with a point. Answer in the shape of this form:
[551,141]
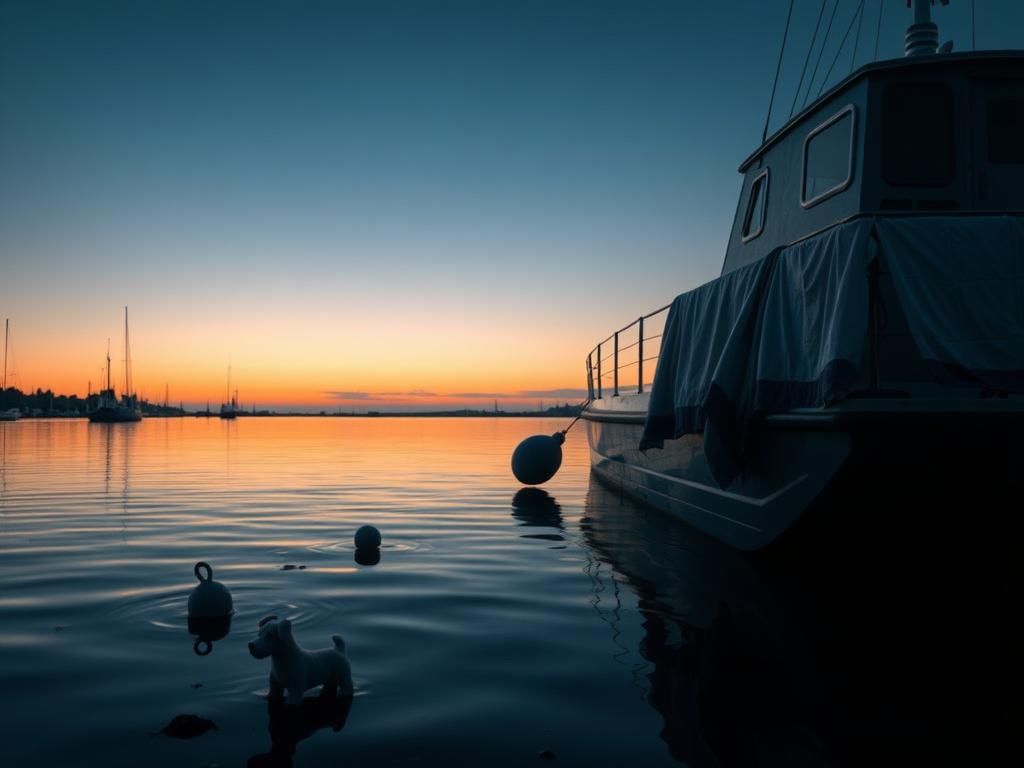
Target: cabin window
[828,158]
[917,135]
[753,220]
[1006,131]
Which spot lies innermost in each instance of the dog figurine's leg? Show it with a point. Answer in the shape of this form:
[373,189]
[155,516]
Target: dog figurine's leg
[276,689]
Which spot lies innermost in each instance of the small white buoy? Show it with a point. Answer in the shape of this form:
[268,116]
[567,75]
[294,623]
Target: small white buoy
[367,538]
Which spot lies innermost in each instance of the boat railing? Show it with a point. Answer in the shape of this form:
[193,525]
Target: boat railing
[625,362]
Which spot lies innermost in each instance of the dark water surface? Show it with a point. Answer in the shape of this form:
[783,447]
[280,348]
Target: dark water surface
[498,624]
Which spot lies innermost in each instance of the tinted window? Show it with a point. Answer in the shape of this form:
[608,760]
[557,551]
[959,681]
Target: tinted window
[1006,131]
[917,135]
[753,222]
[827,158]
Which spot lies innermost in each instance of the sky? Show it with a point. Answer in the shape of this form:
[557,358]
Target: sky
[385,205]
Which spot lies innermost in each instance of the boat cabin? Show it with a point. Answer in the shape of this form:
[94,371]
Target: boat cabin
[939,134]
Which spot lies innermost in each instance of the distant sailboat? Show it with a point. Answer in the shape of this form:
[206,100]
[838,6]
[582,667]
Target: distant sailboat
[109,408]
[11,414]
[230,409]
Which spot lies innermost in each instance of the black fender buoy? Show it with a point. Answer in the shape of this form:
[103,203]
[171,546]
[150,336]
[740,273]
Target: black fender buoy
[537,458]
[367,537]
[209,610]
[210,599]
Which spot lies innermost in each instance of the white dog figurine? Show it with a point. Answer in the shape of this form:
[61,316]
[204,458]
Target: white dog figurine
[296,670]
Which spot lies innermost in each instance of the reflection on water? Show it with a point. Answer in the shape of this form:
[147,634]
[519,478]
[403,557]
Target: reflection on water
[206,631]
[500,622]
[290,725]
[534,506]
[848,663]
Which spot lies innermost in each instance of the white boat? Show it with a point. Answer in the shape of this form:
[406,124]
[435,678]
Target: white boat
[108,407]
[866,334]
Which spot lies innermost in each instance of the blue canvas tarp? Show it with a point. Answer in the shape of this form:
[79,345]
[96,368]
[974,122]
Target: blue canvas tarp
[785,332]
[960,283]
[790,331]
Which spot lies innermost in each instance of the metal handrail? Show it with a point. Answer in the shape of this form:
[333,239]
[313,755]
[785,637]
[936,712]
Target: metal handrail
[597,392]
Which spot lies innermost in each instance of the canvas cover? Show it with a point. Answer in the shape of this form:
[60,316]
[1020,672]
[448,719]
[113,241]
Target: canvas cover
[790,331]
[960,283]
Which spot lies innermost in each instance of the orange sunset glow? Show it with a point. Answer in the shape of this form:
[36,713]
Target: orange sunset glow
[312,361]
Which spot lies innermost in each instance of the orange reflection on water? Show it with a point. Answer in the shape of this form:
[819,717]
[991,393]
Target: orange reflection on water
[192,471]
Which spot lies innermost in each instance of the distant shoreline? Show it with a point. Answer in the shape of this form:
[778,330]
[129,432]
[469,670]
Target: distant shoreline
[389,415]
[47,405]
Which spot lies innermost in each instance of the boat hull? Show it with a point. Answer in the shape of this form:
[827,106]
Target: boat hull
[116,415]
[836,473]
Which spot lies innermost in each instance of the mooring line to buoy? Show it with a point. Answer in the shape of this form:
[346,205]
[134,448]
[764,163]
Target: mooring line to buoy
[581,406]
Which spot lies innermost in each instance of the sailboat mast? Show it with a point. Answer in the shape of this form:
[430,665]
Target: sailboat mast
[127,358]
[228,398]
[108,363]
[7,333]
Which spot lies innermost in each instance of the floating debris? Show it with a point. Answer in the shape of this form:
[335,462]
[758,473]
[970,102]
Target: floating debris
[546,754]
[290,567]
[188,727]
[196,685]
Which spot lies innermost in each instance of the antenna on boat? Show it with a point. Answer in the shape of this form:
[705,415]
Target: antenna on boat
[922,37]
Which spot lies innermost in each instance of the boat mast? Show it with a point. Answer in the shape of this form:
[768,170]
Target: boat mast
[127,358]
[108,364]
[228,398]
[7,333]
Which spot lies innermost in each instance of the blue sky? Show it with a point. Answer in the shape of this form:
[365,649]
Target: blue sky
[559,167]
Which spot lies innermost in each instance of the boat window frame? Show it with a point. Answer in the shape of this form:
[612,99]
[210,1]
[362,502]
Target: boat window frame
[751,199]
[850,110]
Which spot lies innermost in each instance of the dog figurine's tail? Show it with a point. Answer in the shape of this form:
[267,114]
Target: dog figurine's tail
[339,643]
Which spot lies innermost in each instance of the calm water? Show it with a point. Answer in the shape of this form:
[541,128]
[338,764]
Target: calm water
[496,625]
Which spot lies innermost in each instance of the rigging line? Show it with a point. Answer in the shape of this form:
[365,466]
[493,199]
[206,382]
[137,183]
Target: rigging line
[778,68]
[807,59]
[878,29]
[839,50]
[817,63]
[856,39]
